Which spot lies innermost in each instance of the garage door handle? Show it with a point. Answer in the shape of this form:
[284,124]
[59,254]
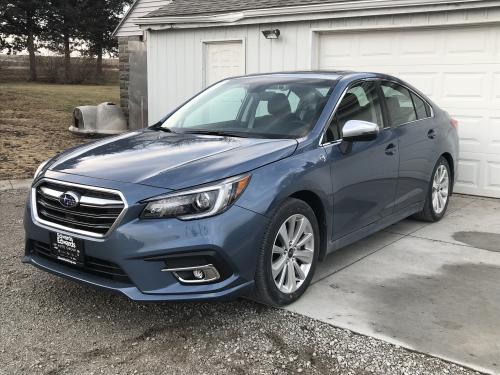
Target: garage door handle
[391,149]
[431,134]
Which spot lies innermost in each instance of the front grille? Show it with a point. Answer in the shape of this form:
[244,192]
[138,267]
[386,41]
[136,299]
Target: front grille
[95,215]
[95,266]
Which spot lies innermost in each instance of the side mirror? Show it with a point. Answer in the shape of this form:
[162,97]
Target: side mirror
[357,130]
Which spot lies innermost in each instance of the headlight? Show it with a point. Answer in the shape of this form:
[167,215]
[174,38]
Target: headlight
[198,203]
[40,169]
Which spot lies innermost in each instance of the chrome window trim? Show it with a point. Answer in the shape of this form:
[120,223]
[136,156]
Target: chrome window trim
[411,122]
[71,231]
[334,112]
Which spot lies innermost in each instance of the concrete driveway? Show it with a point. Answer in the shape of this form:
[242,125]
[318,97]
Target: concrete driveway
[434,288]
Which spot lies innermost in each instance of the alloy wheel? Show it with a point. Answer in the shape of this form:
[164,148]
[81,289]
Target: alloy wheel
[440,189]
[293,253]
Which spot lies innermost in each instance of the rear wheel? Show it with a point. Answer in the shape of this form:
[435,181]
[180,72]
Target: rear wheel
[438,195]
[289,254]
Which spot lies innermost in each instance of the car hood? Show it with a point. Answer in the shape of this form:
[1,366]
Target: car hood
[171,161]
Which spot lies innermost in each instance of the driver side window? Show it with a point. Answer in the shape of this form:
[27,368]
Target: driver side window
[361,102]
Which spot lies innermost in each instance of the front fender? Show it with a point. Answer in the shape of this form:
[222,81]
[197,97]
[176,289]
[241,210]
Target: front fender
[272,184]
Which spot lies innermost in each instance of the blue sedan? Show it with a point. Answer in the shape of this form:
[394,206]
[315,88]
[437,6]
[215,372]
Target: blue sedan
[244,188]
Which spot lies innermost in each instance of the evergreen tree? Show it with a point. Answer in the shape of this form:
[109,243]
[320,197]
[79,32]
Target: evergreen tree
[99,20]
[63,29]
[23,22]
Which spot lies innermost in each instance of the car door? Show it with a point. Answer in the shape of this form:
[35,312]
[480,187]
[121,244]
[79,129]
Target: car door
[364,174]
[411,117]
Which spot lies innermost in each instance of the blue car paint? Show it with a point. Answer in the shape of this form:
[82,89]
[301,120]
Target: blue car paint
[174,161]
[358,195]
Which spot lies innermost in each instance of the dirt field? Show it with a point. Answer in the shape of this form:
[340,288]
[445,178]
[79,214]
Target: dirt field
[34,121]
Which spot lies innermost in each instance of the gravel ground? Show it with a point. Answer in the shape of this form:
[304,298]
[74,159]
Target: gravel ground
[50,325]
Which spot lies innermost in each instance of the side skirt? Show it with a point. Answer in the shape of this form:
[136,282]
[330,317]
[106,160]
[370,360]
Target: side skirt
[374,227]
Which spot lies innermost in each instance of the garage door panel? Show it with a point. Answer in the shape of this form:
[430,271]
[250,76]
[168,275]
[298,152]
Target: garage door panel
[492,177]
[424,81]
[496,44]
[494,135]
[422,45]
[337,51]
[464,86]
[473,131]
[375,47]
[458,68]
[496,85]
[479,171]
[469,167]
[467,42]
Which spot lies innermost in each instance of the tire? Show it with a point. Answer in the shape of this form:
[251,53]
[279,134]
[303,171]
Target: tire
[431,212]
[299,260]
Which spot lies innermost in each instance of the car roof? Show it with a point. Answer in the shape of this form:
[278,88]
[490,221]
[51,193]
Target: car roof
[322,74]
[333,75]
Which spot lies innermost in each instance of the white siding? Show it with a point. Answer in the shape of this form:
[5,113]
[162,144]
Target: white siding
[448,55]
[140,9]
[175,57]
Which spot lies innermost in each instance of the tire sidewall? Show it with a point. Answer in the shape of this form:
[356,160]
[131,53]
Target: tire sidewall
[436,216]
[289,208]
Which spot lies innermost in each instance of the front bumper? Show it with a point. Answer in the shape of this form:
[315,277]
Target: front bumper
[140,249]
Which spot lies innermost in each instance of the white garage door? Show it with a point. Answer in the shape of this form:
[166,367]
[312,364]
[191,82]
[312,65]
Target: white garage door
[223,60]
[458,68]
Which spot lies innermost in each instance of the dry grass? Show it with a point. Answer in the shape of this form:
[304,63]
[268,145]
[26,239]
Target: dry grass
[34,122]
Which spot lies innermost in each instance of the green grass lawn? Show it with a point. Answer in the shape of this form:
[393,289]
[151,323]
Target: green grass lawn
[34,122]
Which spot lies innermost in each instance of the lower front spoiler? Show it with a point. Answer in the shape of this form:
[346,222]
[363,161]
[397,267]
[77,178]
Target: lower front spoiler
[131,291]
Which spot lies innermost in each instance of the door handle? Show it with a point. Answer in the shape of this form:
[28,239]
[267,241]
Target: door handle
[431,134]
[391,149]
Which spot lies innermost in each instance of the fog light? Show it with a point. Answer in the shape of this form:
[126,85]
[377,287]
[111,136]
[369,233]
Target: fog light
[195,274]
[199,274]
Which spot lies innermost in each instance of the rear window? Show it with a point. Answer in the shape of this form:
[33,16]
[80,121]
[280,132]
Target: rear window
[399,103]
[420,107]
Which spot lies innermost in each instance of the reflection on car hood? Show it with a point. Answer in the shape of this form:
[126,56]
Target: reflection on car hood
[172,161]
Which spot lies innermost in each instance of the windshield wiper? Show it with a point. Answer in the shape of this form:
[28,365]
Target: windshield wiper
[161,128]
[166,130]
[158,126]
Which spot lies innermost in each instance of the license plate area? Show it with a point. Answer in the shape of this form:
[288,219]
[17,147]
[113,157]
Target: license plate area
[67,249]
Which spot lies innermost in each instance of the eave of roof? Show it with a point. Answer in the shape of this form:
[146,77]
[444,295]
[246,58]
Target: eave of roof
[124,18]
[207,7]
[307,12]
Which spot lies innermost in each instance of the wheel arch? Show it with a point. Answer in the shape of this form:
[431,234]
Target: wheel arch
[451,163]
[315,202]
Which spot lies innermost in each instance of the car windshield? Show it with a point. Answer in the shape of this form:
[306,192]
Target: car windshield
[262,107]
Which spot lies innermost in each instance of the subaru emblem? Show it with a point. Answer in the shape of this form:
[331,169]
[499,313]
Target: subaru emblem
[69,199]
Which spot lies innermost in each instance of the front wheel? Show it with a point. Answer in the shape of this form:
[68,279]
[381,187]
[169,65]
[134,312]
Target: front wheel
[288,255]
[438,194]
